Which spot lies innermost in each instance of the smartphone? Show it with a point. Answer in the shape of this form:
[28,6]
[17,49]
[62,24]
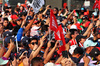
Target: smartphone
[65,54]
[61,43]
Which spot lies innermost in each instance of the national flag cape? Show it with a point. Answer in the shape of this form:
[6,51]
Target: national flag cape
[53,21]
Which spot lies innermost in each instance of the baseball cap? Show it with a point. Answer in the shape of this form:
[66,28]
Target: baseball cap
[36,21]
[89,43]
[3,61]
[73,27]
[7,33]
[78,37]
[29,18]
[7,39]
[25,41]
[95,14]
[95,52]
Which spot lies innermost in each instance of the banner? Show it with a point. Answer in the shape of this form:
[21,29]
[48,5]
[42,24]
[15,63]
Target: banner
[53,21]
[59,35]
[36,5]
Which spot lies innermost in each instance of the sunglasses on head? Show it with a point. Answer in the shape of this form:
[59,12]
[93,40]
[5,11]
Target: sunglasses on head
[34,43]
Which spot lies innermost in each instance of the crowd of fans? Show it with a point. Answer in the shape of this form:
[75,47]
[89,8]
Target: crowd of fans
[26,38]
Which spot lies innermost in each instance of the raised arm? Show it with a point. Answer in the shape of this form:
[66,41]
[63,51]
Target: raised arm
[50,54]
[47,49]
[30,24]
[7,54]
[36,52]
[89,28]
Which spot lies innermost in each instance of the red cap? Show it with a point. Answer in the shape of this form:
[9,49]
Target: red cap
[35,21]
[14,17]
[85,13]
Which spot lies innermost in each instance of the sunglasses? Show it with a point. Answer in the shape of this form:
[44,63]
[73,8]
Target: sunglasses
[34,43]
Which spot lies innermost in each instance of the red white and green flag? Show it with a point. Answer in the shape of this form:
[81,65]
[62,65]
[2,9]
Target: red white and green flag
[75,13]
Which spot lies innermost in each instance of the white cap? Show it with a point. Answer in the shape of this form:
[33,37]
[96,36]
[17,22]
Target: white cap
[73,27]
[94,13]
[49,64]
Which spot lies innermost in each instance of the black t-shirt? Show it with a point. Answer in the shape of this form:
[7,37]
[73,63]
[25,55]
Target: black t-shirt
[76,60]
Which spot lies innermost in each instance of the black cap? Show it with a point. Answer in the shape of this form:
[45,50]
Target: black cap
[7,34]
[26,41]
[95,52]
[29,18]
[7,39]
[78,37]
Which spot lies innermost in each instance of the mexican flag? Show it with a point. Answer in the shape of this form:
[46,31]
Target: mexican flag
[76,14]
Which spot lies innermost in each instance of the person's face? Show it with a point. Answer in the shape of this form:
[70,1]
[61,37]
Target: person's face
[21,8]
[98,36]
[75,34]
[54,11]
[83,40]
[5,23]
[19,22]
[84,20]
[31,13]
[31,45]
[10,10]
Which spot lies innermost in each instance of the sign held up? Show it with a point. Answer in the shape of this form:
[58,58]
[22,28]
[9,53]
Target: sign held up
[36,5]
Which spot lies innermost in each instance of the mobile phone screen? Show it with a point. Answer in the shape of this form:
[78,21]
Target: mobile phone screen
[60,43]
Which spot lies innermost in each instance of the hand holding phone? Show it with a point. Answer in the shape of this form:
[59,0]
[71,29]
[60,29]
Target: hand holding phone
[65,54]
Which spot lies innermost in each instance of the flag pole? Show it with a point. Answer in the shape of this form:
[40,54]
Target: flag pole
[16,44]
